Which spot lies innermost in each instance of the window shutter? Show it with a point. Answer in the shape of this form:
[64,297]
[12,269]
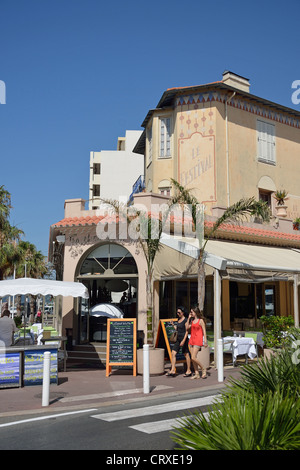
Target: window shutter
[266,141]
[168,137]
[162,137]
[165,137]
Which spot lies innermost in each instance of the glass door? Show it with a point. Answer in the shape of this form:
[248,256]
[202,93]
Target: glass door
[84,321]
[269,299]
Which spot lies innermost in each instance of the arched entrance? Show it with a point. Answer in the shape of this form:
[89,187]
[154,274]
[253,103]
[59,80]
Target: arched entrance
[110,273]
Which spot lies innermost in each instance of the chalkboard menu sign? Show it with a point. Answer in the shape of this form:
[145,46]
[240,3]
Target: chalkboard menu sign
[165,329]
[121,343]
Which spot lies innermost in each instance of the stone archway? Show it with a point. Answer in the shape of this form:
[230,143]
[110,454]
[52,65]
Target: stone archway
[110,273]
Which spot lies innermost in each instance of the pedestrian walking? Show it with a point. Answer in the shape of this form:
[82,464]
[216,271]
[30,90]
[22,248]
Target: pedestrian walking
[196,322]
[182,342]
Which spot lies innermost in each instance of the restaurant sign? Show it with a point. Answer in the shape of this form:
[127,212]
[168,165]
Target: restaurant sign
[34,364]
[10,366]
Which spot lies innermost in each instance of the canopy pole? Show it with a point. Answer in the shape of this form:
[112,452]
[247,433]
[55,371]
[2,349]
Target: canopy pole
[217,312]
[296,306]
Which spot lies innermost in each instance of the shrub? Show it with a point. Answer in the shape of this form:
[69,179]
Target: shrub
[259,411]
[275,328]
[244,421]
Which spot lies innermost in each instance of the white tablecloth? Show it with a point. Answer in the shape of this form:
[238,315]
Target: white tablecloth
[240,346]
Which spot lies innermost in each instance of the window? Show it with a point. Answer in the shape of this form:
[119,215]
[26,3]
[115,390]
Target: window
[96,190]
[114,258]
[265,196]
[96,169]
[149,131]
[165,191]
[173,294]
[266,142]
[165,137]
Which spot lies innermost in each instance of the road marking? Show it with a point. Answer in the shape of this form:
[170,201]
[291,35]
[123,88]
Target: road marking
[40,418]
[111,394]
[160,426]
[156,409]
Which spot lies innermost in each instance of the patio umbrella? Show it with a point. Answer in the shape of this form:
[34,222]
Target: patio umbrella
[26,285]
[44,287]
[106,310]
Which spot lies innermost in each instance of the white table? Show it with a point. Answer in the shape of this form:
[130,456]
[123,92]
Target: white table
[239,346]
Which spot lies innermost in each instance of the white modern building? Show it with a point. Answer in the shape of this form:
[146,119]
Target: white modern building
[113,173]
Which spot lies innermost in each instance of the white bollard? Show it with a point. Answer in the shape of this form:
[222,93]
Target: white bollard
[146,368]
[46,379]
[220,360]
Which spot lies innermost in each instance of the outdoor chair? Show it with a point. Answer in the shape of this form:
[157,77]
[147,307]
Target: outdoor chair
[254,336]
[227,347]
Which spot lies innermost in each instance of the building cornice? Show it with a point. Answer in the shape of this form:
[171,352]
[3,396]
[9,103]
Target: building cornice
[242,232]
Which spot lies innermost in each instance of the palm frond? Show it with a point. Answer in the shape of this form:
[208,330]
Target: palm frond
[182,195]
[243,421]
[241,210]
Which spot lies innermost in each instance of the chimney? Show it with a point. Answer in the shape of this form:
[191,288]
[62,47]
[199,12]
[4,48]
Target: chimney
[236,81]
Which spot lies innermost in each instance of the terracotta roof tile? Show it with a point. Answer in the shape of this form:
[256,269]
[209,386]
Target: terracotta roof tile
[225,228]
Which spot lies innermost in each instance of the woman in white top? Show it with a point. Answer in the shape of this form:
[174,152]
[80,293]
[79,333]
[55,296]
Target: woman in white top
[7,329]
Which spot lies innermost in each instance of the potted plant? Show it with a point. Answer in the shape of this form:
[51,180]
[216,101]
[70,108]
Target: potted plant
[296,223]
[274,329]
[280,197]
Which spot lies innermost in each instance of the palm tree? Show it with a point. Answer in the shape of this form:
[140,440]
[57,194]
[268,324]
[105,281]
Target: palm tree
[9,236]
[148,237]
[150,245]
[5,203]
[237,212]
[258,411]
[32,263]
[31,259]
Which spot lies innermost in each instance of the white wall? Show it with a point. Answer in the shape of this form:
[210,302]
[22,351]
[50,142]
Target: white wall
[119,169]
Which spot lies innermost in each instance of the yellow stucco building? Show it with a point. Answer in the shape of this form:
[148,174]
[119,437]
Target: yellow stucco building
[224,144]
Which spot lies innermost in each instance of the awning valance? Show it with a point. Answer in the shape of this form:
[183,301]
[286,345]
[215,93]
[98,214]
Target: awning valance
[255,257]
[26,286]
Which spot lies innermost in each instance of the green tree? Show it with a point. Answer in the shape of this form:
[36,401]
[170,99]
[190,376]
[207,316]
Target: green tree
[146,232]
[31,260]
[32,263]
[9,236]
[258,411]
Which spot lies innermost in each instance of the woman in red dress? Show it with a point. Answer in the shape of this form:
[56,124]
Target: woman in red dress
[198,339]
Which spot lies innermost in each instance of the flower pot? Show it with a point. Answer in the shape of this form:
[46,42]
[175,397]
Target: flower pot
[156,360]
[269,352]
[281,211]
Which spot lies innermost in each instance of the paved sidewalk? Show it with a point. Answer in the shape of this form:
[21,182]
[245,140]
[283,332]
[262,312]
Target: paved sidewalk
[79,389]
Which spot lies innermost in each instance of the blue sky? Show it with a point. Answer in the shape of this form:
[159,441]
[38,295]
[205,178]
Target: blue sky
[79,73]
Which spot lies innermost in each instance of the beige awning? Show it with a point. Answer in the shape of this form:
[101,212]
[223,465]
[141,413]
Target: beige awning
[172,264]
[256,257]
[178,256]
